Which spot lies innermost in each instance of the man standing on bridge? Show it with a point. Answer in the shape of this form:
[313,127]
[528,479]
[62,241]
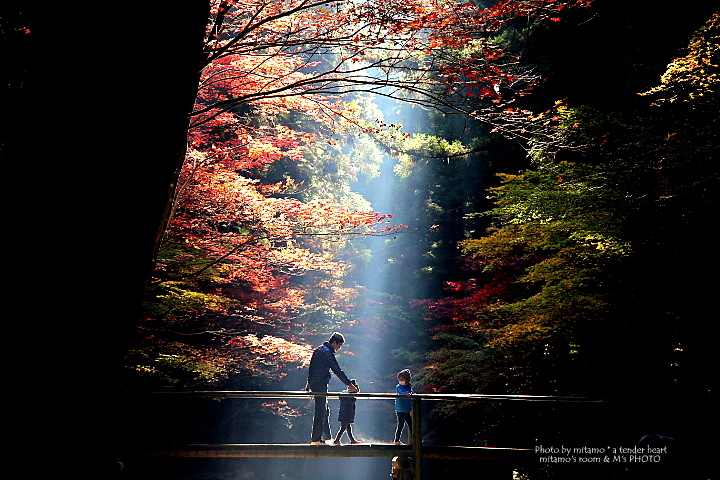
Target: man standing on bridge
[322,362]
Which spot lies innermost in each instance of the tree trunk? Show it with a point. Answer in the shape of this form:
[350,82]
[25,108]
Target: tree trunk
[94,134]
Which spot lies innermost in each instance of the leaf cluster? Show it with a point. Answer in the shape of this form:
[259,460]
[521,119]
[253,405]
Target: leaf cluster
[548,284]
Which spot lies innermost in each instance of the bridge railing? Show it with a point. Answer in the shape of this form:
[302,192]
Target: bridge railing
[423,396]
[415,451]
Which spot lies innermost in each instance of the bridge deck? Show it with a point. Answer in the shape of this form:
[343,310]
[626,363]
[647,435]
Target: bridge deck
[361,450]
[417,451]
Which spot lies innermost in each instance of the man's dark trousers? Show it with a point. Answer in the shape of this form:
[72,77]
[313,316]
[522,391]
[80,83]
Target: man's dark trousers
[321,418]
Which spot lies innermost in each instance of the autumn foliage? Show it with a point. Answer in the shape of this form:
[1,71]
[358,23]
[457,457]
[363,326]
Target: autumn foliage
[565,288]
[247,252]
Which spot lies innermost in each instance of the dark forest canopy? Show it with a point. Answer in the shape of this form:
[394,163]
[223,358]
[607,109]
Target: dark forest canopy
[590,258]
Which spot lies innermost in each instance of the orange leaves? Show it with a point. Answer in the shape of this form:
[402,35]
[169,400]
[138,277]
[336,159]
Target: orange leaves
[275,348]
[262,355]
[240,147]
[279,54]
[273,62]
[257,231]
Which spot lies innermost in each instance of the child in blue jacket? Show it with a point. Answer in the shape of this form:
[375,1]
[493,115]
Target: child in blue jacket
[403,406]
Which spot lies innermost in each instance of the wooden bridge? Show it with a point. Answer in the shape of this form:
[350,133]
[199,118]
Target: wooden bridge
[411,455]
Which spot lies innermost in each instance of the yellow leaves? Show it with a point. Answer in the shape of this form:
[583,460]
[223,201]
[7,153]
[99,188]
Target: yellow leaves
[551,271]
[519,334]
[553,246]
[506,178]
[602,243]
[499,245]
[694,77]
[181,298]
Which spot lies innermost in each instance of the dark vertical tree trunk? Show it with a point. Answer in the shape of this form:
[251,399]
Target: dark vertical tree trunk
[94,134]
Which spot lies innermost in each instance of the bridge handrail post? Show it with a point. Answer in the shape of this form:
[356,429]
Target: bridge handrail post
[416,437]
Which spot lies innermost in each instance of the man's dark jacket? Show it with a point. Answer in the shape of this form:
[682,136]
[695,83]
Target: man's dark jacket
[322,362]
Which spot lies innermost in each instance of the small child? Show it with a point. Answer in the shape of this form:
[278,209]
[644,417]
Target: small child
[346,416]
[403,406]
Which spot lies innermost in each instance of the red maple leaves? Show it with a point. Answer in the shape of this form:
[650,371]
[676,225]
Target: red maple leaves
[272,89]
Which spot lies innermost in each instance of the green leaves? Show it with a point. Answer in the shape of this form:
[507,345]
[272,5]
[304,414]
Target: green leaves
[543,270]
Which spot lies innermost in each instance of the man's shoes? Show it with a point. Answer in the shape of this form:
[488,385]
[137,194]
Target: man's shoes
[317,443]
[354,442]
[397,442]
[338,442]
